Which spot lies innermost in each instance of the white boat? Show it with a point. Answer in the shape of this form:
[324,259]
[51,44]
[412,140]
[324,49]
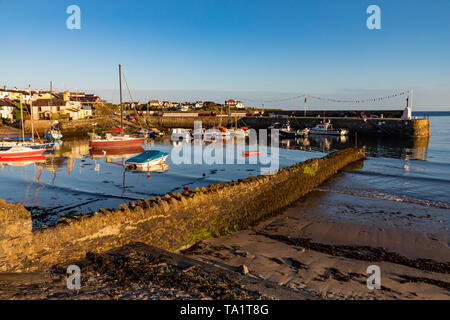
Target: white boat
[146,160]
[326,128]
[6,145]
[179,134]
[238,133]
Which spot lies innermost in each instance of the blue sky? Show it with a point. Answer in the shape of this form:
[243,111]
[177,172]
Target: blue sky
[214,49]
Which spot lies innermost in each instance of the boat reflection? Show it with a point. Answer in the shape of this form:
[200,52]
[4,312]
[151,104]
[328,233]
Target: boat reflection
[398,148]
[113,154]
[23,162]
[162,167]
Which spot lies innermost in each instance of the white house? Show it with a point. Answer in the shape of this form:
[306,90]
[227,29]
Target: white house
[234,104]
[6,110]
[183,107]
[198,105]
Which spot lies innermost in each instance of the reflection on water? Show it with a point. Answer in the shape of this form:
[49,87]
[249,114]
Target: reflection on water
[74,179]
[394,147]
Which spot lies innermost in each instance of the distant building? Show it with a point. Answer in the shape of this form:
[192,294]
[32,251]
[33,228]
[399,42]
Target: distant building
[45,109]
[7,110]
[234,104]
[155,103]
[183,107]
[198,105]
[85,112]
[15,94]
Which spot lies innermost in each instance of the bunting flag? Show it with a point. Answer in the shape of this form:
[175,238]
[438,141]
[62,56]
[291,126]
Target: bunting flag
[362,100]
[327,99]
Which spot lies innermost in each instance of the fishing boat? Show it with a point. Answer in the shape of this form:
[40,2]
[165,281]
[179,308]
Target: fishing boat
[146,160]
[284,131]
[19,153]
[180,134]
[110,141]
[326,128]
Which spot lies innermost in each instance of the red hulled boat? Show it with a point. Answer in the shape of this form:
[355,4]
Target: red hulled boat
[111,141]
[18,153]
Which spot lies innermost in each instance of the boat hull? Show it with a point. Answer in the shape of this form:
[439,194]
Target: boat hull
[329,133]
[146,165]
[104,144]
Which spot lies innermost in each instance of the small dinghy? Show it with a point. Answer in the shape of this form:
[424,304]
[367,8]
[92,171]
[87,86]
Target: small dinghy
[146,160]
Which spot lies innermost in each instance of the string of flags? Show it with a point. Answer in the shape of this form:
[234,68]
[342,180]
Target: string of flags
[392,96]
[361,100]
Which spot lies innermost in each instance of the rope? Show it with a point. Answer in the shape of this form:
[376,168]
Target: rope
[37,133]
[131,98]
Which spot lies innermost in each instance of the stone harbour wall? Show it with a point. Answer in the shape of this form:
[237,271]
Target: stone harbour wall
[371,127]
[175,221]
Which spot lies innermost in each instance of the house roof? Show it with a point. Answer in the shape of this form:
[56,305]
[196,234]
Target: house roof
[49,102]
[4,103]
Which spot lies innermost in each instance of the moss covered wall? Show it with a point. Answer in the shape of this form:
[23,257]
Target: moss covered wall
[175,221]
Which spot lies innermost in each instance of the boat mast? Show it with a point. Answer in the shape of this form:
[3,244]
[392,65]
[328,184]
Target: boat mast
[31,113]
[120,86]
[21,118]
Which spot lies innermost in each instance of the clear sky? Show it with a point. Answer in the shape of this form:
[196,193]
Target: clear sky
[215,49]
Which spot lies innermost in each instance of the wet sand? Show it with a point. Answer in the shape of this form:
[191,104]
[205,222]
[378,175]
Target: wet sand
[323,245]
[140,272]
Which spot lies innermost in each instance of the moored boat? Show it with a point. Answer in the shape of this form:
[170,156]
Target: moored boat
[326,128]
[53,134]
[19,152]
[114,141]
[110,141]
[179,134]
[284,131]
[146,160]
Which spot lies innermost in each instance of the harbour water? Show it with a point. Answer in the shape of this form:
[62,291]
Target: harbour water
[74,181]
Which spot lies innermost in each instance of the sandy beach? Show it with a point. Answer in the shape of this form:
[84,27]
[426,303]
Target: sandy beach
[323,245]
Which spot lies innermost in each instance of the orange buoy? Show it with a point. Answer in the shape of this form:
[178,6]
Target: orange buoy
[251,153]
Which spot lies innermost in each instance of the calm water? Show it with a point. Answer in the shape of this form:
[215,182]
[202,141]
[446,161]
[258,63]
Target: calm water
[72,180]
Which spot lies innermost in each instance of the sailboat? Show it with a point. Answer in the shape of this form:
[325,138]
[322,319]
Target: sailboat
[119,141]
[21,150]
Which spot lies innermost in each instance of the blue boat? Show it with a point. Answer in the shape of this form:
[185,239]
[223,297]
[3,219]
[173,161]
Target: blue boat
[53,135]
[146,160]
